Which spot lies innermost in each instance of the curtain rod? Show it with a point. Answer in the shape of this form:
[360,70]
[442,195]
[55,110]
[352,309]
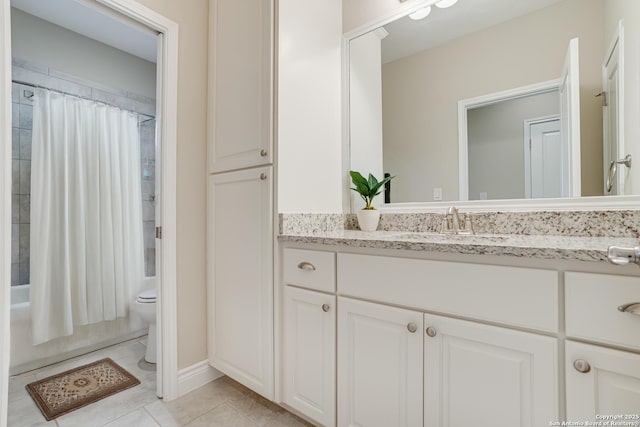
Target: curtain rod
[80,97]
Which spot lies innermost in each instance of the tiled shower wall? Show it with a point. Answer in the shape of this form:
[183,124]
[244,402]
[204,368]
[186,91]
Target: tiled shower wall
[22,123]
[148,158]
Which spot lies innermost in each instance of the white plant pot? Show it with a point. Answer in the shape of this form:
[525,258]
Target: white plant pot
[368,219]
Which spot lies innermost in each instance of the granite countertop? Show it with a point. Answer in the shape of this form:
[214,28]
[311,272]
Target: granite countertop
[530,246]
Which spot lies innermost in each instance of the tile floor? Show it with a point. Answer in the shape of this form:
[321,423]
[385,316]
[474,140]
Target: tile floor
[221,403]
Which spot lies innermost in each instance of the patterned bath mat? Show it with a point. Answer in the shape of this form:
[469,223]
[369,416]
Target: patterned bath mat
[62,393]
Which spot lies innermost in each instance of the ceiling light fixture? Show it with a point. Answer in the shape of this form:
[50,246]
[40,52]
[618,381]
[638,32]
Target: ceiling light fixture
[422,13]
[446,3]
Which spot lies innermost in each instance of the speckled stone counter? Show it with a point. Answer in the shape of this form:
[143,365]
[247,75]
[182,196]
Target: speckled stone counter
[574,248]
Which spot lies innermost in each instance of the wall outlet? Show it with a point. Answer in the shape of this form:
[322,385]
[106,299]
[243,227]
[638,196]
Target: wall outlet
[437,194]
[483,195]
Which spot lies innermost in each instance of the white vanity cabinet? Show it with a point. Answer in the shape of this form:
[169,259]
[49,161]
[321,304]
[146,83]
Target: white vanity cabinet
[602,381]
[240,277]
[240,84]
[308,359]
[424,342]
[309,316]
[487,376]
[379,365]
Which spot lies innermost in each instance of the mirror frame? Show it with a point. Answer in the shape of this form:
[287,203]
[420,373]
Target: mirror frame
[586,203]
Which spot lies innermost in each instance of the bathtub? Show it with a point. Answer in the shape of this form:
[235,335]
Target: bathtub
[25,356]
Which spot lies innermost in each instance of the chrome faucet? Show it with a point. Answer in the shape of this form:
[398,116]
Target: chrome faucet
[451,223]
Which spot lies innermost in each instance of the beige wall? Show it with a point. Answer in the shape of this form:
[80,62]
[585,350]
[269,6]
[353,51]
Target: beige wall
[42,42]
[630,10]
[421,92]
[496,144]
[192,18]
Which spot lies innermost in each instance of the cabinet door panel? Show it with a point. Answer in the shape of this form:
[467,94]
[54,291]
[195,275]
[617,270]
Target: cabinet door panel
[309,354]
[485,375]
[240,84]
[240,277]
[610,387]
[379,365]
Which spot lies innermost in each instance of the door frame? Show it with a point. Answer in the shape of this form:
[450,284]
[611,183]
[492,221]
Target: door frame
[527,149]
[616,41]
[167,112]
[482,101]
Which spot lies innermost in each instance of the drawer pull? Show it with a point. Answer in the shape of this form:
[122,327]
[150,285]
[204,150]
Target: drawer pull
[582,366]
[307,266]
[263,153]
[411,327]
[325,307]
[431,331]
[632,308]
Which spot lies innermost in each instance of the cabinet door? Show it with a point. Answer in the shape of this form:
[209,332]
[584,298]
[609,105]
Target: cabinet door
[479,375]
[240,82]
[379,365]
[309,354]
[602,382]
[240,277]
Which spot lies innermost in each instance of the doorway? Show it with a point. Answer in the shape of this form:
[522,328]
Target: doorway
[166,135]
[543,167]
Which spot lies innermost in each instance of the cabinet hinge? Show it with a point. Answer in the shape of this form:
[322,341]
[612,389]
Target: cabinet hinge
[158,232]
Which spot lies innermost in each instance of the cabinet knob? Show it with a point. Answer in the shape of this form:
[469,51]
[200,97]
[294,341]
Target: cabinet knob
[307,266]
[431,331]
[631,308]
[263,176]
[411,327]
[325,307]
[582,366]
[263,153]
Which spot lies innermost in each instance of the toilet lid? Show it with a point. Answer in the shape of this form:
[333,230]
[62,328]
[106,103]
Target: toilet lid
[147,296]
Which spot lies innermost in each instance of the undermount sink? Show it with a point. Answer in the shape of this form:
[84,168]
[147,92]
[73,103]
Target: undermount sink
[436,237]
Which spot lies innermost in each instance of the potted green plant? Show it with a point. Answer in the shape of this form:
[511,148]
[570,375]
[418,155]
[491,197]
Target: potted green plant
[368,217]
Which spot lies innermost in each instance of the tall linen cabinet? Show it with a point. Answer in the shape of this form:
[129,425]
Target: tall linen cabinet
[240,192]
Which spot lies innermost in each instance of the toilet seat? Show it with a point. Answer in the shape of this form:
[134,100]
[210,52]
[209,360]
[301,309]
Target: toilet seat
[147,297]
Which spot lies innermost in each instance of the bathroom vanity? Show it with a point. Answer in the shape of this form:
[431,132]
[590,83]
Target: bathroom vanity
[404,326]
[376,329]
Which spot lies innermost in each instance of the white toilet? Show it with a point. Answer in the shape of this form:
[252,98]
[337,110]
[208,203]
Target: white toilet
[145,306]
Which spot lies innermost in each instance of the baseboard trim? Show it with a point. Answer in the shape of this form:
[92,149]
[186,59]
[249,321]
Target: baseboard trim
[195,376]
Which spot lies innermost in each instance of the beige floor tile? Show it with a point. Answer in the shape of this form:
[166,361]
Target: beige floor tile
[189,407]
[288,420]
[257,408]
[138,418]
[24,413]
[17,386]
[223,415]
[161,414]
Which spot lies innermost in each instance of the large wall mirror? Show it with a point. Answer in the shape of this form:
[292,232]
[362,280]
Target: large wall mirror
[499,100]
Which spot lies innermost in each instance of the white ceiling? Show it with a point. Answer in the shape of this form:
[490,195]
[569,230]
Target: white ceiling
[96,22]
[407,37]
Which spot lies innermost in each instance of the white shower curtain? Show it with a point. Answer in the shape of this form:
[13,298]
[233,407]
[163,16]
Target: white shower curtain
[86,213]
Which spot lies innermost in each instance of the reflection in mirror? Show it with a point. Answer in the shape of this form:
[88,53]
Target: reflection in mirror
[429,98]
[495,143]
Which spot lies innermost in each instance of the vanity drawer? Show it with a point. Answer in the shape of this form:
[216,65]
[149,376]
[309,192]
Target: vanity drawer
[310,269]
[520,297]
[592,302]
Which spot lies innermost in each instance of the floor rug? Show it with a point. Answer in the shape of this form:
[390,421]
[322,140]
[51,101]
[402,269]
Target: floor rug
[65,392]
